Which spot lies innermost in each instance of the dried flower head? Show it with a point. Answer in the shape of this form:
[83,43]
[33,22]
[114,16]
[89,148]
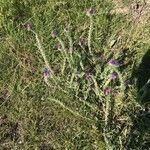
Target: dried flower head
[90,12]
[128,83]
[108,91]
[82,42]
[29,26]
[53,34]
[70,50]
[88,76]
[58,46]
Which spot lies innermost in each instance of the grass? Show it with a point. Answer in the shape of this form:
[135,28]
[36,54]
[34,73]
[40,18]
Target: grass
[73,103]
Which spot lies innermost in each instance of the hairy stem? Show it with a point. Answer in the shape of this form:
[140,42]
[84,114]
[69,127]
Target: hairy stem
[90,34]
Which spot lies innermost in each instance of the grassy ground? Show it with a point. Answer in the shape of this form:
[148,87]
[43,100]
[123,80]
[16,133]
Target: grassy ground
[58,87]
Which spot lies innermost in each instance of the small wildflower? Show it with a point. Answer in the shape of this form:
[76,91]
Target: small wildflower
[114,63]
[90,12]
[113,76]
[107,90]
[46,73]
[53,34]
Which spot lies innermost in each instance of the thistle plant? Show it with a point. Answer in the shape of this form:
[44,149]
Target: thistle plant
[75,80]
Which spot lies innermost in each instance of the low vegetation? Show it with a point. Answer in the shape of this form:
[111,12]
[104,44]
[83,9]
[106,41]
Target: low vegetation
[74,74]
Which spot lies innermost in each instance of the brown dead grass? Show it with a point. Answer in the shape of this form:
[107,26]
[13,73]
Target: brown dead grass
[119,8]
[139,11]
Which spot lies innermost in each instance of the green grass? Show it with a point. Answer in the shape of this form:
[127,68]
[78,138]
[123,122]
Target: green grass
[69,109]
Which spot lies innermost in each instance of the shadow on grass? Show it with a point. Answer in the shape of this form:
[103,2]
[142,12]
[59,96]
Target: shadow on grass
[139,136]
[21,11]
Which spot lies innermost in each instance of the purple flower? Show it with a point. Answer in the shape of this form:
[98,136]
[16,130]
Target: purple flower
[90,12]
[113,76]
[46,73]
[114,63]
[53,34]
